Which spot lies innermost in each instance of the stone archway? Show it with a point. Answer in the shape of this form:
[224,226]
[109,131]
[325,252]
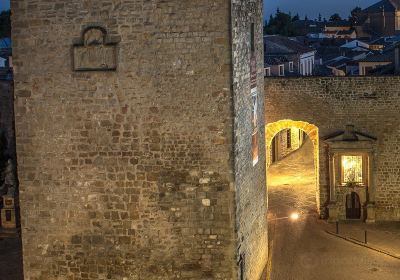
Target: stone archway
[312,132]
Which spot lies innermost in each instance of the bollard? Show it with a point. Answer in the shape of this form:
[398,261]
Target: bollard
[337,227]
[365,237]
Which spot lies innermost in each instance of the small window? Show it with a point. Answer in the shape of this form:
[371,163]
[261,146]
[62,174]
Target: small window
[289,138]
[267,71]
[252,38]
[281,70]
[352,169]
[291,66]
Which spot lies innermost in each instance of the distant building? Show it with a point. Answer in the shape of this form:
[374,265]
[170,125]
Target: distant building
[382,18]
[339,30]
[342,59]
[342,25]
[278,66]
[370,63]
[346,34]
[286,57]
[304,27]
[355,44]
[5,59]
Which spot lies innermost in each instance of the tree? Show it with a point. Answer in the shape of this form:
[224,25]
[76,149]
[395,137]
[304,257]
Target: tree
[319,17]
[296,18]
[281,23]
[355,16]
[335,17]
[5,24]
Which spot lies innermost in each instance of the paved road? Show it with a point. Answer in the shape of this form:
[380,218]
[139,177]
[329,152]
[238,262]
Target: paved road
[302,250]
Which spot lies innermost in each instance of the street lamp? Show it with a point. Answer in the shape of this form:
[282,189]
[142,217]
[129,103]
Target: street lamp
[294,216]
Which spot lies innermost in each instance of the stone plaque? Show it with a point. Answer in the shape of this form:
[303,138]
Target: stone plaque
[95,51]
[8,202]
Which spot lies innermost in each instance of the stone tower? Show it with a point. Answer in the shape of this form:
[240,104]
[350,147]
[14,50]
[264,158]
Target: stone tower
[140,138]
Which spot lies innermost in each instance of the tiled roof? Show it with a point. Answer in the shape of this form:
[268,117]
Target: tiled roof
[275,60]
[384,57]
[338,63]
[279,45]
[5,43]
[346,32]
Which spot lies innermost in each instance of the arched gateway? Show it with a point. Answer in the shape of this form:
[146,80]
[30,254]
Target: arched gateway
[272,129]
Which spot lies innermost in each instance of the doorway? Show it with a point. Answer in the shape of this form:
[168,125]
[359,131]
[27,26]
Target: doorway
[353,206]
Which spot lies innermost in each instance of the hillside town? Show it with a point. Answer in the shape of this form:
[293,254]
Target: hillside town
[367,43]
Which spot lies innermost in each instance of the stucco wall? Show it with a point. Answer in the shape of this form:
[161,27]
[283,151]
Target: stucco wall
[369,103]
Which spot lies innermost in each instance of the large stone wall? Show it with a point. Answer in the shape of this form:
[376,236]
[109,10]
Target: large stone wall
[251,201]
[131,174]
[370,103]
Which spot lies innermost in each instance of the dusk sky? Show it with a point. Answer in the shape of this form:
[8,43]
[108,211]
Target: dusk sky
[311,8]
[4,4]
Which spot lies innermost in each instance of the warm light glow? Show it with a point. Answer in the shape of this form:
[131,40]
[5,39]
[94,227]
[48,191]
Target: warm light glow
[294,216]
[352,169]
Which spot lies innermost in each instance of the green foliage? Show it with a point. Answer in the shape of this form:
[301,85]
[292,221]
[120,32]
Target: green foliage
[335,17]
[281,23]
[5,24]
[355,16]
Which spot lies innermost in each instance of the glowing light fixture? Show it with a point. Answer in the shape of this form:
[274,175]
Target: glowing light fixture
[294,216]
[352,169]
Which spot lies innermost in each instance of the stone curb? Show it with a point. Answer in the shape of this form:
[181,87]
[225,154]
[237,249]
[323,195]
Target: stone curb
[271,237]
[354,241]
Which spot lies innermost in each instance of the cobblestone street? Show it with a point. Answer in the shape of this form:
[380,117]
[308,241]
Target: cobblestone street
[302,249]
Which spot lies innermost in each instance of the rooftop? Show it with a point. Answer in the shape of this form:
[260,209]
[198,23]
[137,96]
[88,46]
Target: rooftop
[380,57]
[280,45]
[275,60]
[5,43]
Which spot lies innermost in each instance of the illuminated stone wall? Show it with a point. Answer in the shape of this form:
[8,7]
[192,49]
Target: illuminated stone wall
[143,172]
[251,200]
[273,129]
[371,104]
[281,143]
